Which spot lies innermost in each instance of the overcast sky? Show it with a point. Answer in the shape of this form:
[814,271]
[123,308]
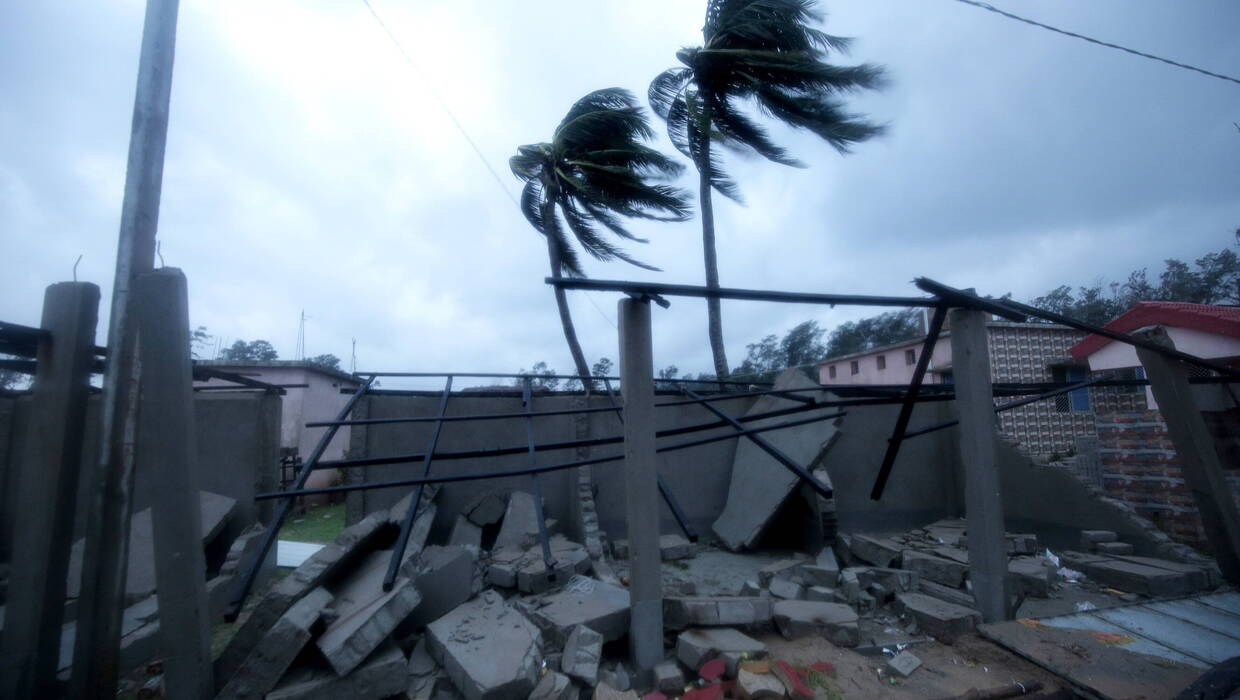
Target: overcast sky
[310,167]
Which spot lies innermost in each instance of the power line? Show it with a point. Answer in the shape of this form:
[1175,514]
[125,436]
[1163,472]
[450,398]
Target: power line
[1018,18]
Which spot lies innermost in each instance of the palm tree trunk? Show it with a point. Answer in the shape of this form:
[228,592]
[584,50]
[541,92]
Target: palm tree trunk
[561,302]
[714,313]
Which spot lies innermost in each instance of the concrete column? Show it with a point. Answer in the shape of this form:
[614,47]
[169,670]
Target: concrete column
[46,480]
[1198,461]
[167,451]
[978,443]
[641,488]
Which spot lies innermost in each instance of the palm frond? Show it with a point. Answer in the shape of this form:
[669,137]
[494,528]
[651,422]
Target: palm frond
[666,88]
[825,117]
[531,204]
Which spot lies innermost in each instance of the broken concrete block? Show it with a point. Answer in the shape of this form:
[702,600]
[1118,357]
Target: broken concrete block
[1138,578]
[782,567]
[382,675]
[554,686]
[878,551]
[750,589]
[423,672]
[695,647]
[668,678]
[520,526]
[488,648]
[1023,543]
[526,570]
[820,593]
[353,543]
[783,588]
[760,484]
[1091,537]
[826,560]
[939,619]
[673,547]
[850,584]
[603,691]
[895,580]
[936,569]
[679,613]
[600,606]
[365,613]
[818,575]
[802,618]
[582,652]
[445,577]
[465,533]
[486,508]
[276,650]
[1030,576]
[1113,548]
[946,593]
[904,663]
[620,549]
[753,686]
[616,676]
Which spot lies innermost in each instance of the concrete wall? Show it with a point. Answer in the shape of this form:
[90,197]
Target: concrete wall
[237,445]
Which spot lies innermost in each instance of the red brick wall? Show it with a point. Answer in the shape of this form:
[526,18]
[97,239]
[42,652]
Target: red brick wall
[1141,468]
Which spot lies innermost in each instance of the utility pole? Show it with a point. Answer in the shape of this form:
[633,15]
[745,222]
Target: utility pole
[96,657]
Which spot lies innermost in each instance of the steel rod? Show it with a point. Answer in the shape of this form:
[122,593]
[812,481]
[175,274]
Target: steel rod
[414,481]
[788,463]
[910,400]
[1002,407]
[685,290]
[502,375]
[273,530]
[549,561]
[406,526]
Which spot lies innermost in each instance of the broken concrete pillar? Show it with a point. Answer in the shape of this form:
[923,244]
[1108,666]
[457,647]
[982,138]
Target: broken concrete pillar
[641,484]
[978,443]
[273,654]
[166,447]
[489,649]
[1199,461]
[47,479]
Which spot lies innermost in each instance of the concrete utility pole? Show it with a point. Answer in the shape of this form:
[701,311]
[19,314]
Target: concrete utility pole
[641,487]
[96,654]
[1199,462]
[978,442]
[47,481]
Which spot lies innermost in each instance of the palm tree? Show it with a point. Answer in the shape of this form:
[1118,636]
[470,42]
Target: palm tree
[763,53]
[595,172]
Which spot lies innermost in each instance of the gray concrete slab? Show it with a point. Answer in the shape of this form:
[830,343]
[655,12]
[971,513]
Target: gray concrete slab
[445,577]
[382,675]
[695,647]
[738,611]
[583,650]
[273,654]
[364,613]
[520,525]
[602,607]
[802,618]
[938,618]
[489,649]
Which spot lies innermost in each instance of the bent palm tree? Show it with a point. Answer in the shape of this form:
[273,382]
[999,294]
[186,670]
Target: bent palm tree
[595,172]
[760,52]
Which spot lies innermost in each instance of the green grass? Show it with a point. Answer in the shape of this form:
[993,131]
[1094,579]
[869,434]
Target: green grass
[320,525]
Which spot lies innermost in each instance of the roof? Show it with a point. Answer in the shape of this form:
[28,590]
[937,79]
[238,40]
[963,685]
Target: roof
[336,374]
[1218,320]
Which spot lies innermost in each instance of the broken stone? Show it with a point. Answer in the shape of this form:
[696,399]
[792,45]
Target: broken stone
[673,547]
[1138,578]
[820,593]
[668,678]
[382,675]
[520,527]
[620,549]
[582,652]
[1030,576]
[936,569]
[600,606]
[904,663]
[679,613]
[818,576]
[616,676]
[526,570]
[276,650]
[895,580]
[939,619]
[445,577]
[697,646]
[753,686]
[1091,537]
[488,648]
[878,551]
[604,691]
[466,533]
[802,618]
[1023,543]
[424,673]
[365,613]
[951,595]
[783,588]
[554,686]
[826,560]
[750,589]
[783,567]
[1113,548]
[850,585]
[486,508]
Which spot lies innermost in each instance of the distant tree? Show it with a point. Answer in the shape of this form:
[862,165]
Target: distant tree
[329,361]
[254,351]
[873,332]
[766,358]
[602,368]
[540,377]
[199,342]
[668,374]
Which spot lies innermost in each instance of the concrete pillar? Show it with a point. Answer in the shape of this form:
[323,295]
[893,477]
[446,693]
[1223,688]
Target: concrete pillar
[978,444]
[46,480]
[168,453]
[641,488]
[1198,460]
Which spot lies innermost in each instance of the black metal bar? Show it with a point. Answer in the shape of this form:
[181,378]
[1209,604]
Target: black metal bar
[789,463]
[548,560]
[686,290]
[910,400]
[216,387]
[541,470]
[666,491]
[1015,307]
[25,334]
[273,530]
[203,373]
[406,526]
[563,445]
[1003,407]
[501,375]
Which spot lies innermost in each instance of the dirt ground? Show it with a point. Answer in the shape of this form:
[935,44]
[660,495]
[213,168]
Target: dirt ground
[947,671]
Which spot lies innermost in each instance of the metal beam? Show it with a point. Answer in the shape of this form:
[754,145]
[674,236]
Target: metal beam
[685,290]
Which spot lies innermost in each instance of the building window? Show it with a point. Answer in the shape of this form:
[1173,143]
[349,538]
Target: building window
[882,362]
[910,357]
[831,371]
[854,367]
[1075,401]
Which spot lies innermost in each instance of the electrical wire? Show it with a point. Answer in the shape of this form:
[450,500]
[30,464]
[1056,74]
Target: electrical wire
[1018,18]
